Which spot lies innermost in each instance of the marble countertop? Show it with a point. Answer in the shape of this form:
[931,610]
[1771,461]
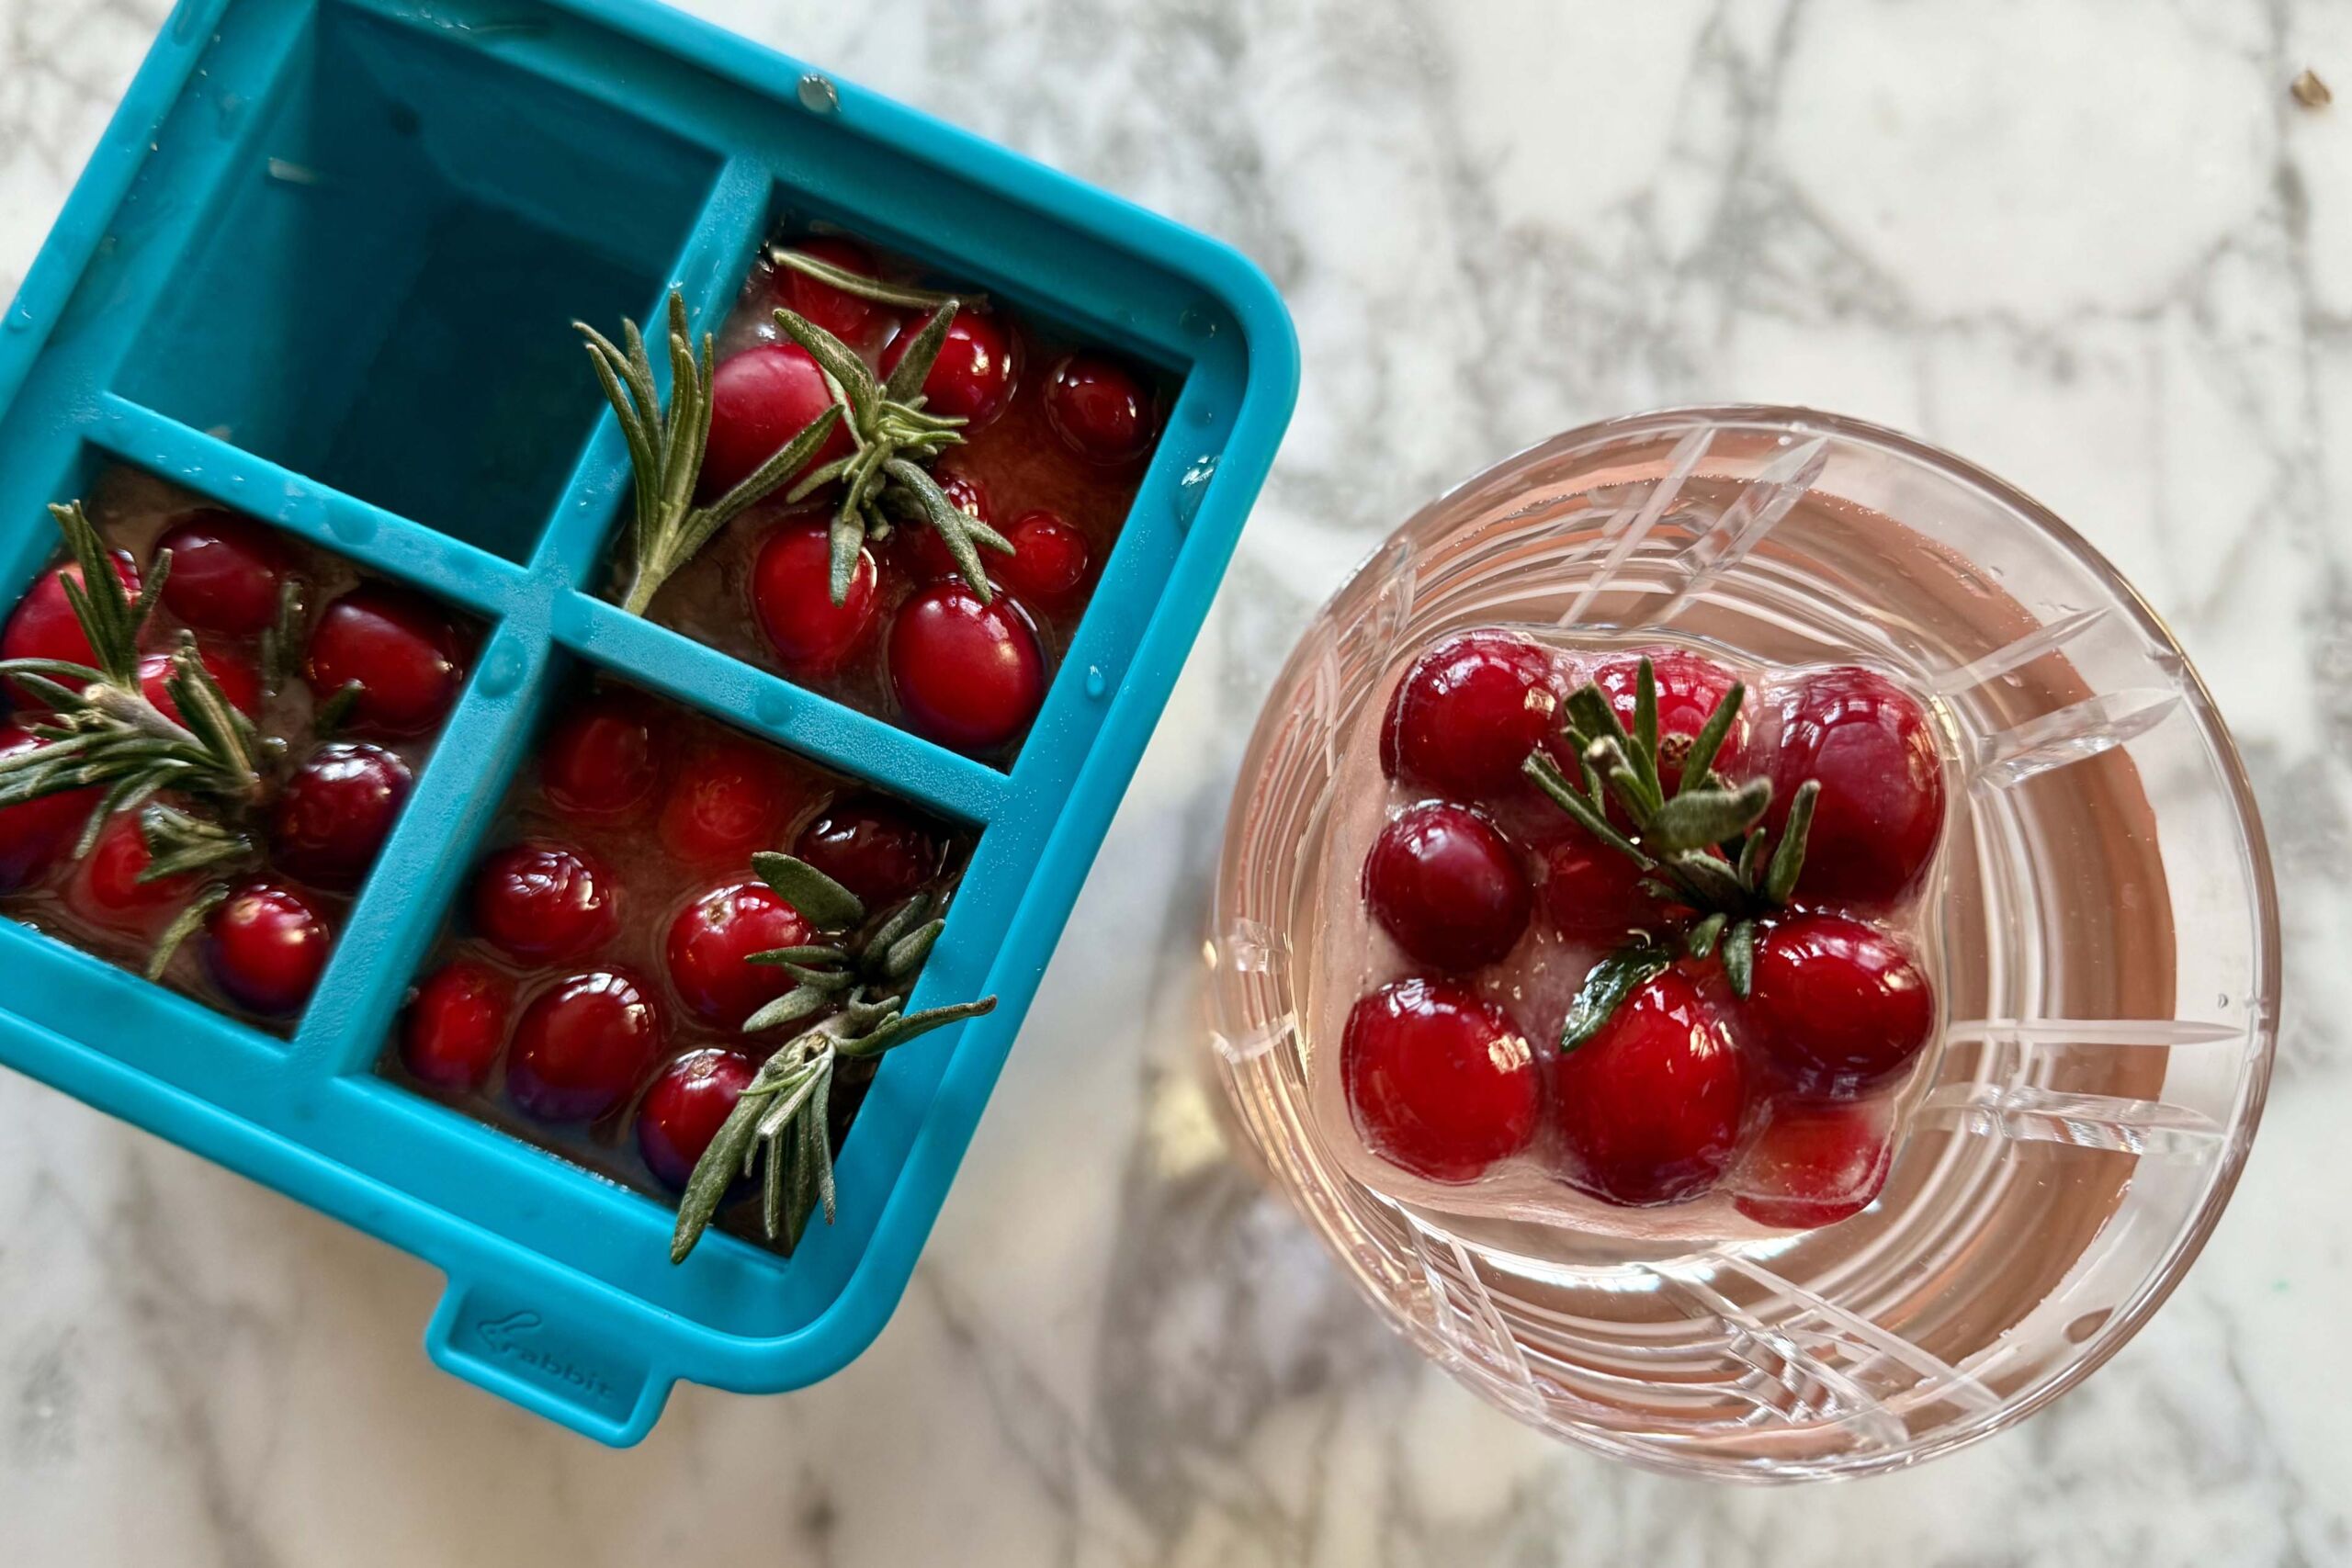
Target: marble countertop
[2092,243]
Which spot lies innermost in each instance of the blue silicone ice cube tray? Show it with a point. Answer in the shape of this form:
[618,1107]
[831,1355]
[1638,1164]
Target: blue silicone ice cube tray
[306,274]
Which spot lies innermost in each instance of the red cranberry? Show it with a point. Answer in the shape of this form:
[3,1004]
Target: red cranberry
[685,1108]
[582,1047]
[1468,713]
[1813,1164]
[227,572]
[711,942]
[107,890]
[1050,563]
[731,799]
[37,833]
[760,399]
[1688,688]
[876,849]
[1882,803]
[1101,408]
[265,947]
[403,653]
[972,378]
[967,675]
[847,316]
[602,763]
[238,680]
[1440,1082]
[792,597]
[1446,884]
[544,903]
[1592,892]
[43,625]
[1648,1110]
[335,812]
[456,1025]
[1838,1004]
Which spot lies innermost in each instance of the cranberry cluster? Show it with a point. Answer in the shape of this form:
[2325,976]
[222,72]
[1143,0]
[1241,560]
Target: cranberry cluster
[1755,999]
[600,957]
[379,670]
[966,671]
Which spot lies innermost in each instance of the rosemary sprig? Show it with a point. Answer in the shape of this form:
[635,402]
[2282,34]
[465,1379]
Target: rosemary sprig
[665,450]
[891,438]
[899,296]
[855,984]
[102,731]
[1704,846]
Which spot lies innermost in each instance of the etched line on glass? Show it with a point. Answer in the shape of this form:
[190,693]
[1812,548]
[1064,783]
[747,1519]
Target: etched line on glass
[1254,1041]
[1757,511]
[1679,464]
[2073,734]
[1841,1399]
[1468,1321]
[2031,1032]
[2030,1113]
[2015,655]
[1938,1377]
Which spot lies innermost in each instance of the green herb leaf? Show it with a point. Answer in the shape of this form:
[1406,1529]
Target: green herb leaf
[1740,957]
[826,903]
[1696,819]
[1709,738]
[898,295]
[1700,941]
[1788,861]
[1606,987]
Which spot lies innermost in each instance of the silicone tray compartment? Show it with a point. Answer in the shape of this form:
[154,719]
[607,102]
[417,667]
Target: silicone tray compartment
[322,270]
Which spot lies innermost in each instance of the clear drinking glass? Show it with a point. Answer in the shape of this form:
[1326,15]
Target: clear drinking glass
[2106,916]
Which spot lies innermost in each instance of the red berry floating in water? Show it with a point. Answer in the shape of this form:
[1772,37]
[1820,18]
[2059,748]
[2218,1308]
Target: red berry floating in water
[582,1047]
[876,850]
[265,947]
[543,903]
[36,834]
[1838,1004]
[685,1108]
[456,1025]
[1647,1110]
[1440,1082]
[107,889]
[1468,713]
[1688,689]
[711,942]
[760,399]
[43,625]
[1101,408]
[791,597]
[972,378]
[731,799]
[847,316]
[1593,892]
[1882,804]
[602,763]
[335,812]
[402,653]
[1050,562]
[238,680]
[967,675]
[1813,1164]
[227,572]
[1447,885]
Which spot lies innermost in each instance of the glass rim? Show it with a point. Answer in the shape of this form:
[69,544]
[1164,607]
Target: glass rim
[2157,1284]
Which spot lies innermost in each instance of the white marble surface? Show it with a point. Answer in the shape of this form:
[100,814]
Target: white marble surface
[2090,243]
